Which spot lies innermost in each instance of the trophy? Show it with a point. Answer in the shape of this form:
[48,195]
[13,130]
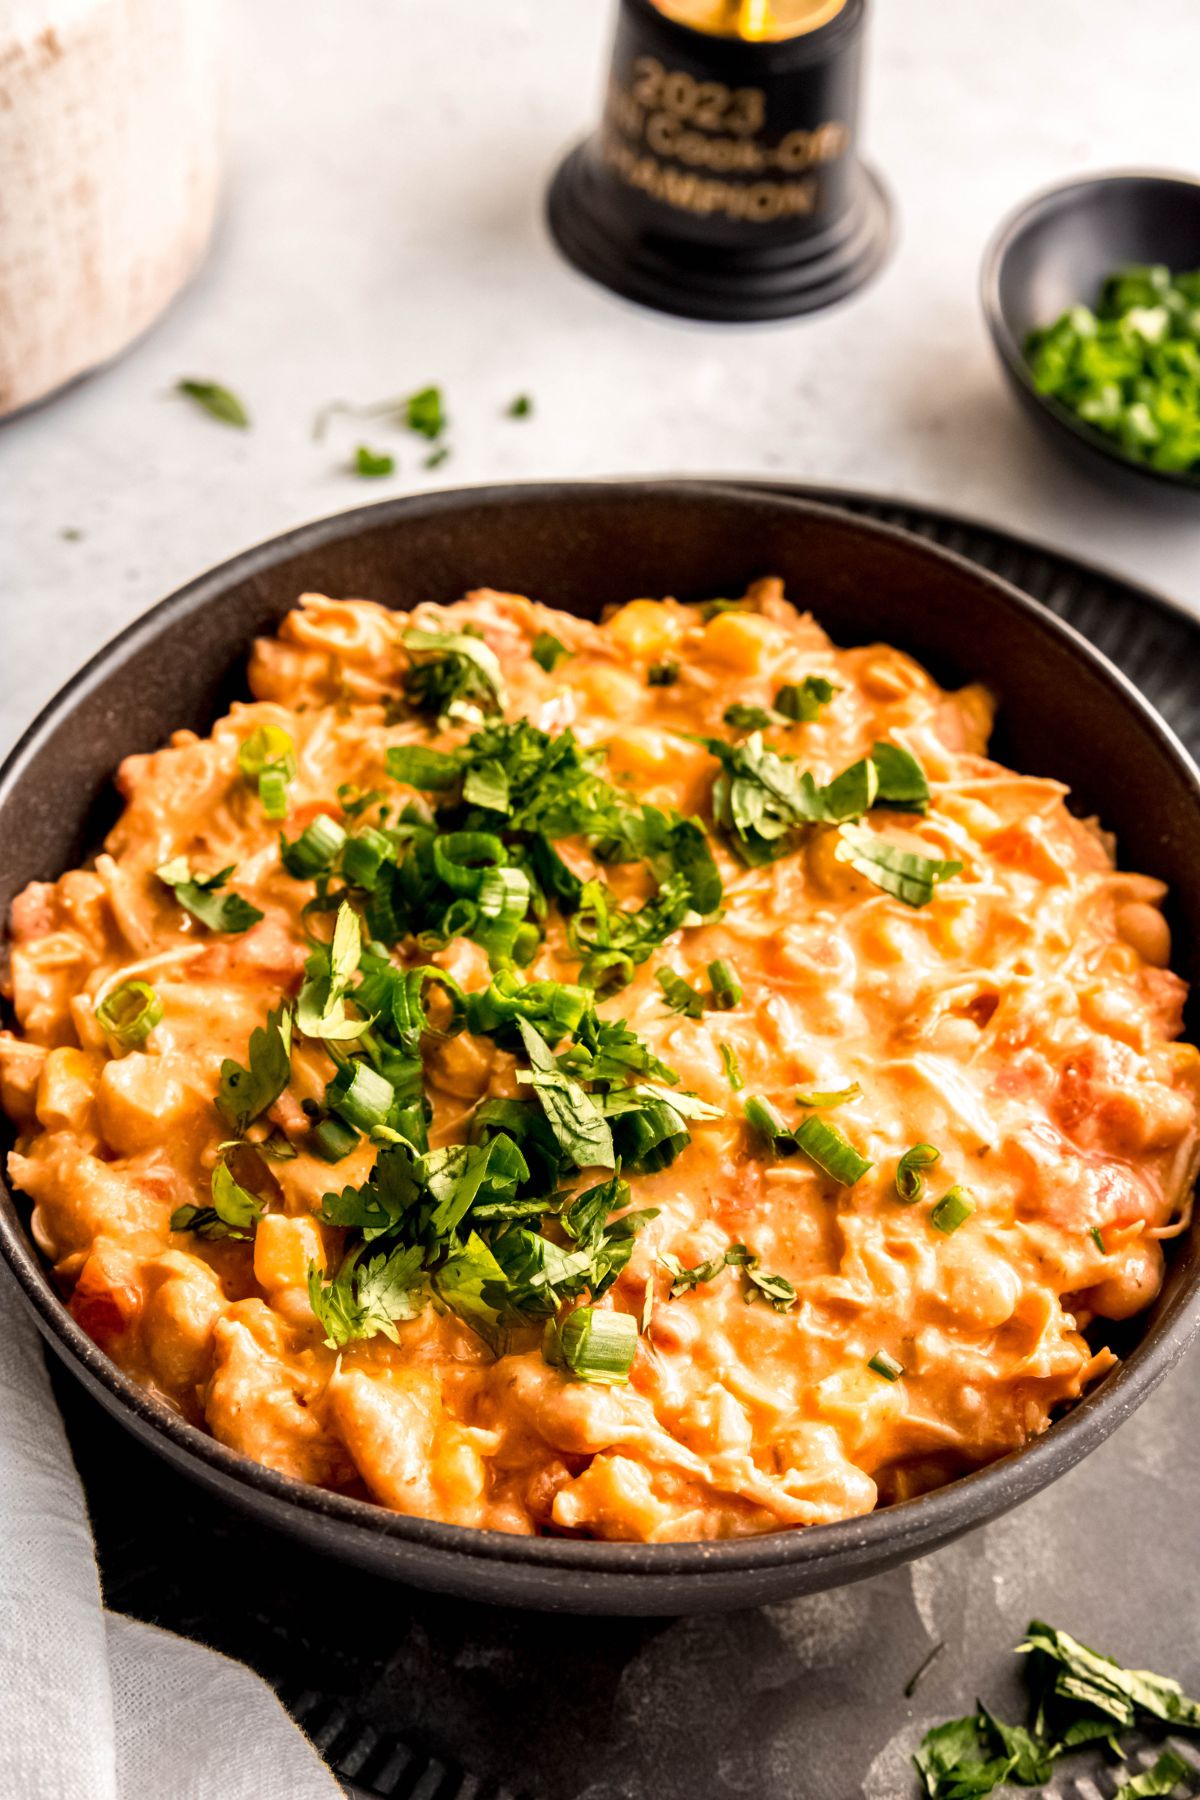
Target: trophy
[724,181]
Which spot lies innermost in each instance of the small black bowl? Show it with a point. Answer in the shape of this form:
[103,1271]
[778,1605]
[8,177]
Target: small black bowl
[1054,252]
[1065,711]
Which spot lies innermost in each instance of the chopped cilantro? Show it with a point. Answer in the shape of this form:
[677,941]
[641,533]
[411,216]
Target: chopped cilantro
[199,895]
[234,1211]
[548,651]
[578,1124]
[367,1296]
[245,1093]
[901,873]
[796,703]
[1078,1697]
[453,675]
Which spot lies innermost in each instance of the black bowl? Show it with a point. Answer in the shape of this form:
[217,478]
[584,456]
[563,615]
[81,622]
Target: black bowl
[1065,711]
[1053,252]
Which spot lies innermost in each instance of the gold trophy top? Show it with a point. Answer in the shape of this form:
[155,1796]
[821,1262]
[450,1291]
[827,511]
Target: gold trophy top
[757,21]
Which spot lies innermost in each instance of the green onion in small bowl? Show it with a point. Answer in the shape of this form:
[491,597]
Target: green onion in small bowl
[1091,293]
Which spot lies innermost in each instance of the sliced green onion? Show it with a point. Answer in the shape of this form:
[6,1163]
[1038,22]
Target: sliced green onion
[463,858]
[361,1096]
[885,1364]
[315,850]
[527,941]
[1097,1237]
[825,1097]
[593,1345]
[952,1210]
[365,854]
[548,651]
[726,988]
[332,1139]
[269,755]
[663,674]
[771,1124]
[268,747]
[824,1145]
[732,1067]
[679,995]
[555,1007]
[909,1180]
[459,919]
[130,1012]
[607,971]
[503,901]
[503,894]
[272,791]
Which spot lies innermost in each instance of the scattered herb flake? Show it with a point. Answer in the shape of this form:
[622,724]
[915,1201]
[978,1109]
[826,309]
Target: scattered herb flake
[373,463]
[548,651]
[200,896]
[218,402]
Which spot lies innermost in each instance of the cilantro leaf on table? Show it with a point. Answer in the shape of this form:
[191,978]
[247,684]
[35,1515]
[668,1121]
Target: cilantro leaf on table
[1078,1697]
[1063,1669]
[373,464]
[1163,1779]
[220,403]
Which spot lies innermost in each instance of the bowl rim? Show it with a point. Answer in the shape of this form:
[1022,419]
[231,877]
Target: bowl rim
[894,1532]
[1044,202]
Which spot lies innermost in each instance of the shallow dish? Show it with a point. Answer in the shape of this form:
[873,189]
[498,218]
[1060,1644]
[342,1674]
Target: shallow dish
[1055,251]
[1065,712]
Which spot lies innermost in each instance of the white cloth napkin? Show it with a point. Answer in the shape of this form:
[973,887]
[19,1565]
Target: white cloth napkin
[94,1706]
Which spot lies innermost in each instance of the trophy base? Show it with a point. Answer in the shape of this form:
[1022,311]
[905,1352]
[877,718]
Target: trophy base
[717,283]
